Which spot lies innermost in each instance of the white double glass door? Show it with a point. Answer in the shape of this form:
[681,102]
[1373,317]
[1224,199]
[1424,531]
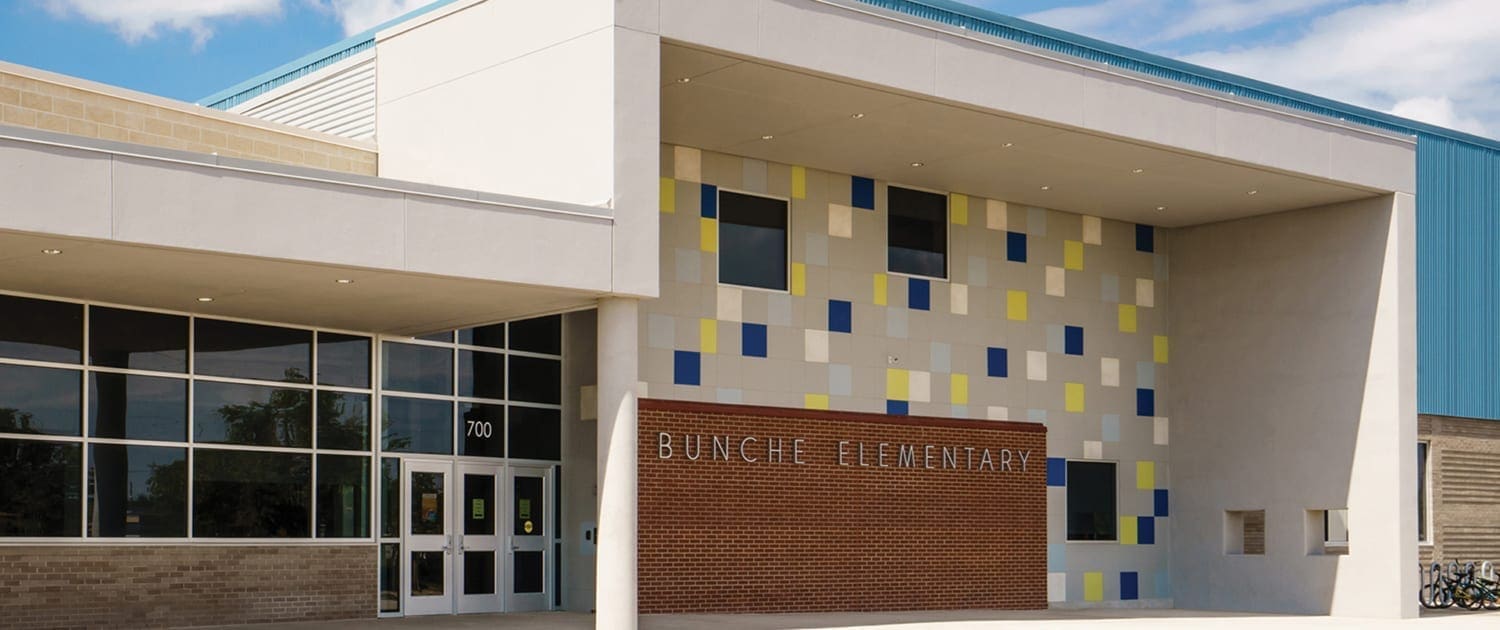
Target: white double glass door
[477,538]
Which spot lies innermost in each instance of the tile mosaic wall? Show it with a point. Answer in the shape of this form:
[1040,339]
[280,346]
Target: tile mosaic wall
[1045,316]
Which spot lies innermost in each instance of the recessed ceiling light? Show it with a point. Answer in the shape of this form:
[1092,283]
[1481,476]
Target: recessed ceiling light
[857,116]
[918,164]
[1009,145]
[767,137]
[344,281]
[1159,208]
[51,252]
[1046,188]
[685,80]
[1138,171]
[1254,192]
[205,299]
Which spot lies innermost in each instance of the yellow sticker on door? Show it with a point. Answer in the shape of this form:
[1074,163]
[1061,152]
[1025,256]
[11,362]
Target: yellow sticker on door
[523,508]
[526,526]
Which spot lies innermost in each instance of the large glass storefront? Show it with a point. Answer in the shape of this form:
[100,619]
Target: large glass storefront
[124,424]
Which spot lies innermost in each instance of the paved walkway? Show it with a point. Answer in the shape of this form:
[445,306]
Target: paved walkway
[942,620]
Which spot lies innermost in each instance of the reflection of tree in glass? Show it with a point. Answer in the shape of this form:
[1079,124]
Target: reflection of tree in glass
[343,421]
[166,497]
[39,486]
[16,421]
[281,421]
[249,494]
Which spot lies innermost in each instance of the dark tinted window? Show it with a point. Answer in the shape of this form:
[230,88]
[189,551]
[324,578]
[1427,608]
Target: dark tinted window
[246,494]
[543,334]
[752,241]
[481,374]
[137,340]
[40,330]
[252,414]
[535,433]
[918,232]
[489,336]
[390,577]
[535,380]
[40,400]
[1422,491]
[343,421]
[343,360]
[136,407]
[1091,501]
[40,493]
[482,428]
[267,353]
[390,497]
[138,491]
[411,425]
[420,369]
[343,496]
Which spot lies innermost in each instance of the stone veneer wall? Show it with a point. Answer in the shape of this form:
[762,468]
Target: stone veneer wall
[1045,317]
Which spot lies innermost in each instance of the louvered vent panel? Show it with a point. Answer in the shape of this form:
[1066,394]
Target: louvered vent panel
[1471,477]
[340,102]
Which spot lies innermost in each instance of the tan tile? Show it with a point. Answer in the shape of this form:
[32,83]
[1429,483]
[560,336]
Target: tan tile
[68,107]
[36,101]
[266,150]
[118,134]
[185,132]
[17,116]
[241,144]
[10,96]
[215,138]
[157,126]
[83,128]
[104,115]
[51,122]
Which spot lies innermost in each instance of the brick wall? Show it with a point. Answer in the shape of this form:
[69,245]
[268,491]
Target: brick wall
[136,586]
[722,535]
[1464,467]
[42,100]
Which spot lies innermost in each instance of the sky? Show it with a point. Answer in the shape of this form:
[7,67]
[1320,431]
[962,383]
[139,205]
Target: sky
[1437,61]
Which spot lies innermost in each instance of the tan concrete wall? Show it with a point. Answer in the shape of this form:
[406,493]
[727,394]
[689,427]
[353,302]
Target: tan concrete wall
[41,100]
[1464,477]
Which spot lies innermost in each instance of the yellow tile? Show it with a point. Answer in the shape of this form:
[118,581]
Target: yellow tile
[1127,318]
[708,234]
[668,195]
[1145,475]
[708,336]
[1073,255]
[799,279]
[1015,305]
[880,289]
[896,384]
[1093,586]
[815,401]
[958,208]
[1073,392]
[799,182]
[1127,530]
[960,389]
[1160,348]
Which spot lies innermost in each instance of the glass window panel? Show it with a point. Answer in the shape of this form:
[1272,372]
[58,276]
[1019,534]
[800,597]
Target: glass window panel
[239,350]
[40,493]
[528,573]
[445,336]
[40,330]
[137,491]
[918,232]
[343,420]
[40,400]
[483,429]
[479,505]
[752,242]
[137,340]
[492,336]
[232,413]
[427,504]
[531,509]
[134,407]
[343,360]
[420,369]
[1091,501]
[390,577]
[535,433]
[427,573]
[412,425]
[1422,491]
[481,374]
[247,494]
[543,334]
[479,573]
[536,380]
[390,497]
[343,496]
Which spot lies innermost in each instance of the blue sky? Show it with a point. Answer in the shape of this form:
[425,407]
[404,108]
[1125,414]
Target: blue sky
[1433,60]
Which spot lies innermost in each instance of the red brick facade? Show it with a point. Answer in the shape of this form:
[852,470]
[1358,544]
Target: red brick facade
[932,529]
[138,586]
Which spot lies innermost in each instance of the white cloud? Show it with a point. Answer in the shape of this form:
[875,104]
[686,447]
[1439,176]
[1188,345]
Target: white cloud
[136,20]
[358,15]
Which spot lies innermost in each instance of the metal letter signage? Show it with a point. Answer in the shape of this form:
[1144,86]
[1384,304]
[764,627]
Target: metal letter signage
[769,450]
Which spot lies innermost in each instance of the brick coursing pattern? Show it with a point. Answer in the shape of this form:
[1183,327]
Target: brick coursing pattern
[736,537]
[1464,471]
[138,586]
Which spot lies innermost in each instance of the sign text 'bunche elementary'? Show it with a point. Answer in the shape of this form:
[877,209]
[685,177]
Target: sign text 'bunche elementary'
[796,451]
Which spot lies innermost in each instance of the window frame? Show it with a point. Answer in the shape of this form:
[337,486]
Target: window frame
[947,231]
[1067,511]
[719,238]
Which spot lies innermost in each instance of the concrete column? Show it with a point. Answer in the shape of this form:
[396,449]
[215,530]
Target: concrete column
[615,585]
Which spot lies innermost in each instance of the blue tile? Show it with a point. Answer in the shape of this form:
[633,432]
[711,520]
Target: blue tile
[753,340]
[1073,340]
[1111,427]
[1057,471]
[999,365]
[710,201]
[1145,238]
[1145,531]
[862,193]
[897,407]
[1015,247]
[1145,402]
[840,316]
[919,294]
[1161,503]
[1057,558]
[686,368]
[1163,584]
[1130,585]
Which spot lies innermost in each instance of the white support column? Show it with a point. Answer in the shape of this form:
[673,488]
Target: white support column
[615,587]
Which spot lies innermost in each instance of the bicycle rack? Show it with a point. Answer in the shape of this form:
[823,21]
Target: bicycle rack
[1438,580]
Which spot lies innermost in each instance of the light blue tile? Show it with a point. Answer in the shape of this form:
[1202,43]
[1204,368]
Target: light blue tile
[979,268]
[1163,585]
[895,323]
[817,250]
[1036,415]
[659,332]
[1160,267]
[1145,375]
[689,265]
[960,411]
[942,358]
[1036,221]
[779,309]
[1057,558]
[725,395]
[1109,288]
[755,175]
[840,380]
[1111,427]
[1056,339]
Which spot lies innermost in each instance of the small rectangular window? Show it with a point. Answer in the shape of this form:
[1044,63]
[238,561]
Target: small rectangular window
[1245,532]
[40,400]
[535,380]
[343,496]
[343,360]
[542,335]
[135,407]
[419,369]
[416,425]
[1422,524]
[918,232]
[41,330]
[137,340]
[253,351]
[1091,501]
[481,374]
[245,494]
[390,497]
[752,241]
[535,433]
[343,421]
[137,491]
[255,415]
[40,488]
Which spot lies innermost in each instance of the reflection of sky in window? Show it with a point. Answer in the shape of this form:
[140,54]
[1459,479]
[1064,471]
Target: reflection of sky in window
[252,351]
[153,408]
[752,256]
[144,463]
[51,396]
[917,262]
